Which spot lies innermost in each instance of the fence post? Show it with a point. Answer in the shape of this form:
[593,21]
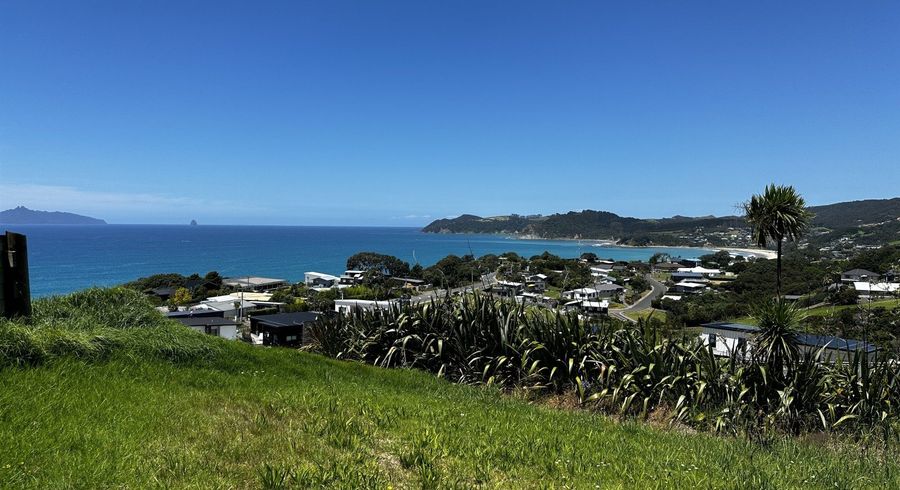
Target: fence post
[15,290]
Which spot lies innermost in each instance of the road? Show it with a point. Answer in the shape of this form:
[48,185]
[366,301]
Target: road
[487,279]
[657,289]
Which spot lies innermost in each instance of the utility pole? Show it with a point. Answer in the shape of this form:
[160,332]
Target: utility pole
[15,290]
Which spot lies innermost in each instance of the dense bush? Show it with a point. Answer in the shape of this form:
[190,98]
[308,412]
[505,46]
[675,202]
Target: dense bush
[630,371]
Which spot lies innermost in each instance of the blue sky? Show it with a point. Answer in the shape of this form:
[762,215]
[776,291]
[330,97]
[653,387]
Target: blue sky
[396,113]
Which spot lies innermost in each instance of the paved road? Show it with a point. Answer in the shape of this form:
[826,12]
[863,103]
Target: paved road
[657,289]
[487,279]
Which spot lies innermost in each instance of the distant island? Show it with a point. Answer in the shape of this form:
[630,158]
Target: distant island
[193,222]
[24,216]
[867,222]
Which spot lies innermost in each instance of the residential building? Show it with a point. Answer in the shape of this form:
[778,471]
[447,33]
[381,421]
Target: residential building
[225,328]
[859,275]
[320,280]
[254,283]
[347,306]
[283,329]
[728,339]
[687,287]
[869,290]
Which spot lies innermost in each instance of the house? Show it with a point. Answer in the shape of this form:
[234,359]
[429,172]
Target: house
[352,277]
[507,288]
[320,280]
[215,326]
[688,287]
[581,294]
[532,298]
[409,283]
[727,338]
[588,306]
[868,290]
[536,282]
[608,290]
[859,275]
[687,276]
[195,313]
[347,306]
[163,293]
[708,273]
[284,329]
[253,283]
[666,267]
[232,308]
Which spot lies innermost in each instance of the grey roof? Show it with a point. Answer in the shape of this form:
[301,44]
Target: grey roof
[860,272]
[608,287]
[205,321]
[286,319]
[805,339]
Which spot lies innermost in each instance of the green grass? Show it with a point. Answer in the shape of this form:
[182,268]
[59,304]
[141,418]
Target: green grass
[657,314]
[230,415]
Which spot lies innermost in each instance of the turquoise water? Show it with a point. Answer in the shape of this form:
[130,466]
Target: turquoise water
[63,259]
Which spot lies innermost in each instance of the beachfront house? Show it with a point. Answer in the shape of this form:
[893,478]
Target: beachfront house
[536,282]
[254,283]
[352,277]
[703,271]
[229,308]
[859,275]
[320,280]
[726,339]
[665,267]
[284,329]
[225,328]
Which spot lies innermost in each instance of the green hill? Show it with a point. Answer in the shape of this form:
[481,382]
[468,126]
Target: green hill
[868,221]
[99,391]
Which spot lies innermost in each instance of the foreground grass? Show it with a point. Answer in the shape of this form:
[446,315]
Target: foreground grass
[238,416]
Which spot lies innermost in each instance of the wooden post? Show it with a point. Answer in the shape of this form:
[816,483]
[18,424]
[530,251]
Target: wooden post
[15,290]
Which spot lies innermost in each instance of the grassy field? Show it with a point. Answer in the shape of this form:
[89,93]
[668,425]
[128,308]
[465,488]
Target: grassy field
[825,311]
[657,314]
[207,413]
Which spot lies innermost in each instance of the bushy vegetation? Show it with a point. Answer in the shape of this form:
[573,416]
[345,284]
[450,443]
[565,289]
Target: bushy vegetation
[162,406]
[628,371]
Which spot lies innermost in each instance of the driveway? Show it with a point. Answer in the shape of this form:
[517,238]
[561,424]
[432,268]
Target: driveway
[657,289]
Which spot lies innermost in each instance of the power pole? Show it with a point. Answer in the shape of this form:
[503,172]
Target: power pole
[15,291]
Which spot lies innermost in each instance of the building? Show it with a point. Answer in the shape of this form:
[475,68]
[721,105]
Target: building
[320,280]
[581,294]
[352,277]
[688,287]
[347,306]
[536,282]
[229,308]
[216,326]
[728,339]
[253,283]
[687,276]
[708,273]
[507,288]
[868,290]
[665,267]
[593,307]
[608,290]
[282,329]
[859,275]
[409,283]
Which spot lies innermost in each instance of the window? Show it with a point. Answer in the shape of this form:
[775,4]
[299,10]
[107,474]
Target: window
[291,338]
[712,340]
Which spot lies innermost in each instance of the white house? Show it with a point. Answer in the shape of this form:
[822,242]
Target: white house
[218,327]
[870,290]
[728,339]
[688,287]
[320,280]
[581,294]
[347,306]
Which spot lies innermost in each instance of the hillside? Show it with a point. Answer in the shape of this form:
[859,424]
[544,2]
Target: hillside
[100,391]
[877,219]
[24,216]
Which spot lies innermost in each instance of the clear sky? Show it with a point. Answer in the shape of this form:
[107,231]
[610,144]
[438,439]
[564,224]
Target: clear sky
[396,113]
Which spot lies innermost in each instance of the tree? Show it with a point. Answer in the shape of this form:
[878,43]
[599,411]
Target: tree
[181,297]
[659,258]
[589,257]
[776,343]
[720,259]
[381,264]
[776,215]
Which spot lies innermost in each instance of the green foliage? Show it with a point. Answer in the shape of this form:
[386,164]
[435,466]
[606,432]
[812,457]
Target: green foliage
[380,265]
[718,260]
[182,296]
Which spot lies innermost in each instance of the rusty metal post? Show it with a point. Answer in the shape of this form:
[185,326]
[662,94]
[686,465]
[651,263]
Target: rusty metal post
[15,290]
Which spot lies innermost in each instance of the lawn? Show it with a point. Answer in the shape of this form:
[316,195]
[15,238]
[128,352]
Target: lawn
[208,413]
[657,314]
[825,311]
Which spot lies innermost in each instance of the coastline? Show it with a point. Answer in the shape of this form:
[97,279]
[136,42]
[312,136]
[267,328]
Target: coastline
[758,253]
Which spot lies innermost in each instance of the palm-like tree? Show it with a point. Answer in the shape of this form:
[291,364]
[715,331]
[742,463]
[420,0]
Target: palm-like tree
[776,343]
[776,215]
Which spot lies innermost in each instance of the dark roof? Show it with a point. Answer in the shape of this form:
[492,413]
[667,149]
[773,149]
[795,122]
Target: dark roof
[286,319]
[162,291]
[206,321]
[668,265]
[687,274]
[806,339]
[195,314]
[860,272]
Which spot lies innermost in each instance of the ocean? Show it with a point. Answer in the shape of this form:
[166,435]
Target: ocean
[67,258]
